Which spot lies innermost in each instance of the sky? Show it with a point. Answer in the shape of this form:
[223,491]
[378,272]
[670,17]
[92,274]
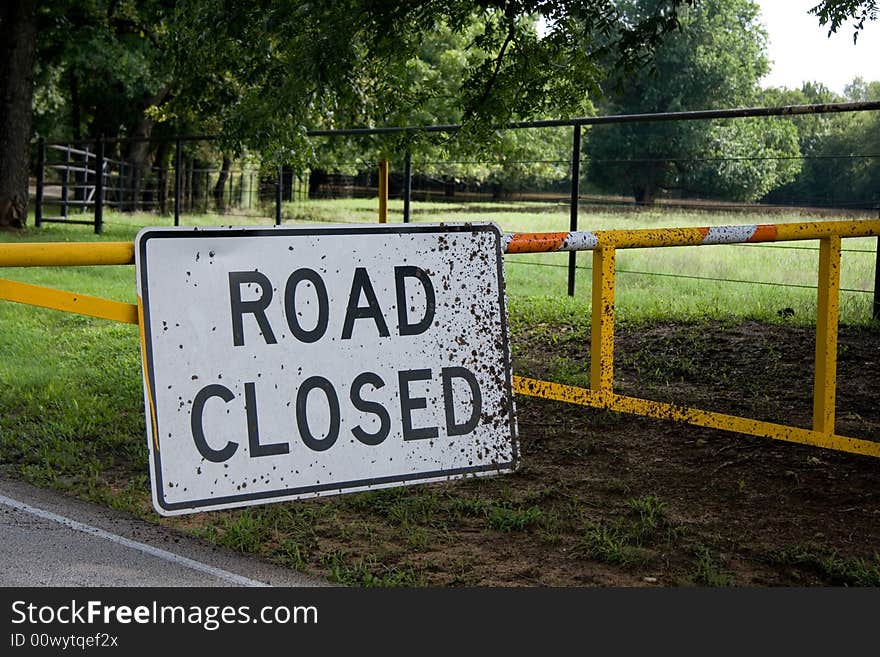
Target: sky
[800,49]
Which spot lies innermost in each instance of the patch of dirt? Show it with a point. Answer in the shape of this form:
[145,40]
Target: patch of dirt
[608,499]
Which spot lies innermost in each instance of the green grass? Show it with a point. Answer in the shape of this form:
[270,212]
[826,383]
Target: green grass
[71,399]
[627,541]
[836,569]
[708,571]
[350,571]
[613,544]
[537,283]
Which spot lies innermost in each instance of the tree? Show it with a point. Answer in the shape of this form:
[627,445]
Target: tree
[92,68]
[18,33]
[715,61]
[287,67]
[834,13]
[432,81]
[841,165]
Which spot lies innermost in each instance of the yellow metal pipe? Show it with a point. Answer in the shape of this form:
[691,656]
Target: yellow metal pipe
[663,411]
[827,306]
[691,236]
[649,237]
[602,321]
[81,304]
[56,254]
[819,229]
[383,191]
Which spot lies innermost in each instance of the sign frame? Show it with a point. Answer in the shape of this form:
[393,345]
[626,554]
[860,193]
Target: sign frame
[283,493]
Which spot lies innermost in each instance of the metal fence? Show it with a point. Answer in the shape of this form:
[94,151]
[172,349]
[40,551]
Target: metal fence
[185,186]
[77,181]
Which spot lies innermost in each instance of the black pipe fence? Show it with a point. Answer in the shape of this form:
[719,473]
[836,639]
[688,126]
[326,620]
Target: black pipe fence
[77,179]
[127,187]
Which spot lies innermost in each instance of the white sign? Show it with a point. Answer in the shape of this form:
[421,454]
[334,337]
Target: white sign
[293,362]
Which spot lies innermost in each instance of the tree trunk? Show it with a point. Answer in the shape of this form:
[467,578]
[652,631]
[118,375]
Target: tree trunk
[645,194]
[649,179]
[219,197]
[160,165]
[18,34]
[140,148]
[75,109]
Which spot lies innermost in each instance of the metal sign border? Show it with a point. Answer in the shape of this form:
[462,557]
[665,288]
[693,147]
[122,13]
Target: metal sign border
[146,234]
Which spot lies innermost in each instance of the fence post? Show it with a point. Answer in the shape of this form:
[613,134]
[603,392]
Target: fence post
[407,186]
[602,323]
[278,185]
[383,191]
[99,187]
[876,314]
[827,307]
[65,182]
[41,172]
[177,182]
[575,193]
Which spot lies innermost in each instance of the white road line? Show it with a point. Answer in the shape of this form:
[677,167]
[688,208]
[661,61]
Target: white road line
[225,575]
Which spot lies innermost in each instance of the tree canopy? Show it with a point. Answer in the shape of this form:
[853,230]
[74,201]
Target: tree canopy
[836,13]
[260,73]
[716,61]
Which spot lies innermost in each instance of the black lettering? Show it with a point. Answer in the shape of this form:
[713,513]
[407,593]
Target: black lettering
[370,407]
[198,432]
[257,307]
[403,323]
[255,448]
[409,404]
[315,279]
[452,428]
[361,283]
[302,419]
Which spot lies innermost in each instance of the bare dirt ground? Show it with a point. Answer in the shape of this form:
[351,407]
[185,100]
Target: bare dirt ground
[606,499]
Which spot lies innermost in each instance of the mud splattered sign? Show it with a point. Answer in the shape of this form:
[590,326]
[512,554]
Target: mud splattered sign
[287,363]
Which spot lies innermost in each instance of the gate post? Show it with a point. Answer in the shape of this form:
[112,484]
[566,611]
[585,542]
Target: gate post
[407,186]
[602,324]
[827,306]
[575,193]
[383,191]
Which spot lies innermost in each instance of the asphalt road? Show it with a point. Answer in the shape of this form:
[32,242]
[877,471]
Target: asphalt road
[51,540]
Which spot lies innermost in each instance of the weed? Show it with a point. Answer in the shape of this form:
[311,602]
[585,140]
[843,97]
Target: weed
[245,532]
[367,572]
[651,512]
[504,519]
[838,570]
[470,507]
[610,544]
[292,555]
[708,572]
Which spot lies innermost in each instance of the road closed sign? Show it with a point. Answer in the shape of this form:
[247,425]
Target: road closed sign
[294,362]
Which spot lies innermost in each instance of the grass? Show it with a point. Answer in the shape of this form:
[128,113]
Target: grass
[71,400]
[628,541]
[652,283]
[708,571]
[839,570]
